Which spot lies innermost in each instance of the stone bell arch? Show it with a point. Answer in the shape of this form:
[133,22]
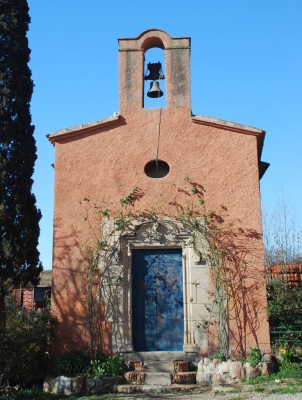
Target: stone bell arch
[177,69]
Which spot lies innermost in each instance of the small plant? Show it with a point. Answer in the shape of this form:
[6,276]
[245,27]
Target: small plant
[287,355]
[255,356]
[75,363]
[129,199]
[220,355]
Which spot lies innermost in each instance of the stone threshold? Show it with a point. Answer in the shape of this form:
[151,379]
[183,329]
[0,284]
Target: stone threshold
[130,389]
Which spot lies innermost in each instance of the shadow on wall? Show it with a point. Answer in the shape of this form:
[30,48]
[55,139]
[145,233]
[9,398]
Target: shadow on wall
[70,301]
[88,298]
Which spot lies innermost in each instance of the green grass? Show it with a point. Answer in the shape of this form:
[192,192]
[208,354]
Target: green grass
[258,390]
[285,390]
[30,394]
[289,371]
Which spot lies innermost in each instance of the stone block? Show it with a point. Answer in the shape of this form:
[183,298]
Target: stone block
[96,390]
[216,379]
[158,378]
[206,361]
[48,384]
[184,377]
[62,385]
[98,381]
[77,384]
[251,372]
[181,366]
[223,368]
[236,370]
[136,365]
[210,369]
[203,378]
[89,384]
[200,366]
[135,376]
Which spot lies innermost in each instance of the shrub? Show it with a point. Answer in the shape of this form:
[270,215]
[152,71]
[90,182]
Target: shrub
[78,363]
[110,366]
[255,356]
[24,345]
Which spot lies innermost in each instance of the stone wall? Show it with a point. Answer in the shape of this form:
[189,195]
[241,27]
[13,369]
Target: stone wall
[218,372]
[210,372]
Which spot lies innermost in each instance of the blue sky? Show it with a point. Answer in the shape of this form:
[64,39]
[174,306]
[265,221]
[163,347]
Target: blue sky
[246,67]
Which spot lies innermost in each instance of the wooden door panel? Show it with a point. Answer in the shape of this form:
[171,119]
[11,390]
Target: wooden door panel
[157,300]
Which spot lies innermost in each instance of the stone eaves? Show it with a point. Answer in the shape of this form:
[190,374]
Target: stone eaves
[81,129]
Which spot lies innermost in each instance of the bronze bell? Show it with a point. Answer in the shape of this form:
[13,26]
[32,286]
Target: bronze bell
[155,90]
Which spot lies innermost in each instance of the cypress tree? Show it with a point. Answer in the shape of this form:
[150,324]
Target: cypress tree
[19,217]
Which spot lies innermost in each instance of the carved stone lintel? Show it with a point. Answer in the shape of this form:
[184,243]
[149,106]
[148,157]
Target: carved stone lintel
[155,234]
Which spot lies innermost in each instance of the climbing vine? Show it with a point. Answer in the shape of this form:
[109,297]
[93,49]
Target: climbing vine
[214,240]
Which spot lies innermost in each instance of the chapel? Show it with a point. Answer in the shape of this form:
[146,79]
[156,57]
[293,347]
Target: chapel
[154,292]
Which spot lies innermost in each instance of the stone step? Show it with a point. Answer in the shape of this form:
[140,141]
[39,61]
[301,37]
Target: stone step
[184,377]
[155,364]
[158,366]
[164,356]
[155,389]
[158,378]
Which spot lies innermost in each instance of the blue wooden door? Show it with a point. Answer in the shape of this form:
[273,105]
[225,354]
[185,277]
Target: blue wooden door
[157,300]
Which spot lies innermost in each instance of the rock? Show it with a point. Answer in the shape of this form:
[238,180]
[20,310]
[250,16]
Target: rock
[203,378]
[206,361]
[62,385]
[236,370]
[98,381]
[200,366]
[89,384]
[48,384]
[251,372]
[210,369]
[267,357]
[224,368]
[77,384]
[216,379]
[96,390]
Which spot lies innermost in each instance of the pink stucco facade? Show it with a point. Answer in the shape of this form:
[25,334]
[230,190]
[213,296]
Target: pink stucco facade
[106,159]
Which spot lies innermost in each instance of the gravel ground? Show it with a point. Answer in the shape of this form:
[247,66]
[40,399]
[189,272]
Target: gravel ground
[211,396]
[241,392]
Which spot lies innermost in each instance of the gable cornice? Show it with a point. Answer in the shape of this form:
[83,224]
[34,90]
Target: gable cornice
[81,129]
[232,126]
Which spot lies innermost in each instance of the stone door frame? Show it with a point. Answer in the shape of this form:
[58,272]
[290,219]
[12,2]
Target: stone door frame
[151,235]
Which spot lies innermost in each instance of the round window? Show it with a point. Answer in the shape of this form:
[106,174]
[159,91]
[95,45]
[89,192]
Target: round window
[157,169]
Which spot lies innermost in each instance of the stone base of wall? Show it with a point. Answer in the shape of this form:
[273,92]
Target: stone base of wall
[217,372]
[73,386]
[209,373]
